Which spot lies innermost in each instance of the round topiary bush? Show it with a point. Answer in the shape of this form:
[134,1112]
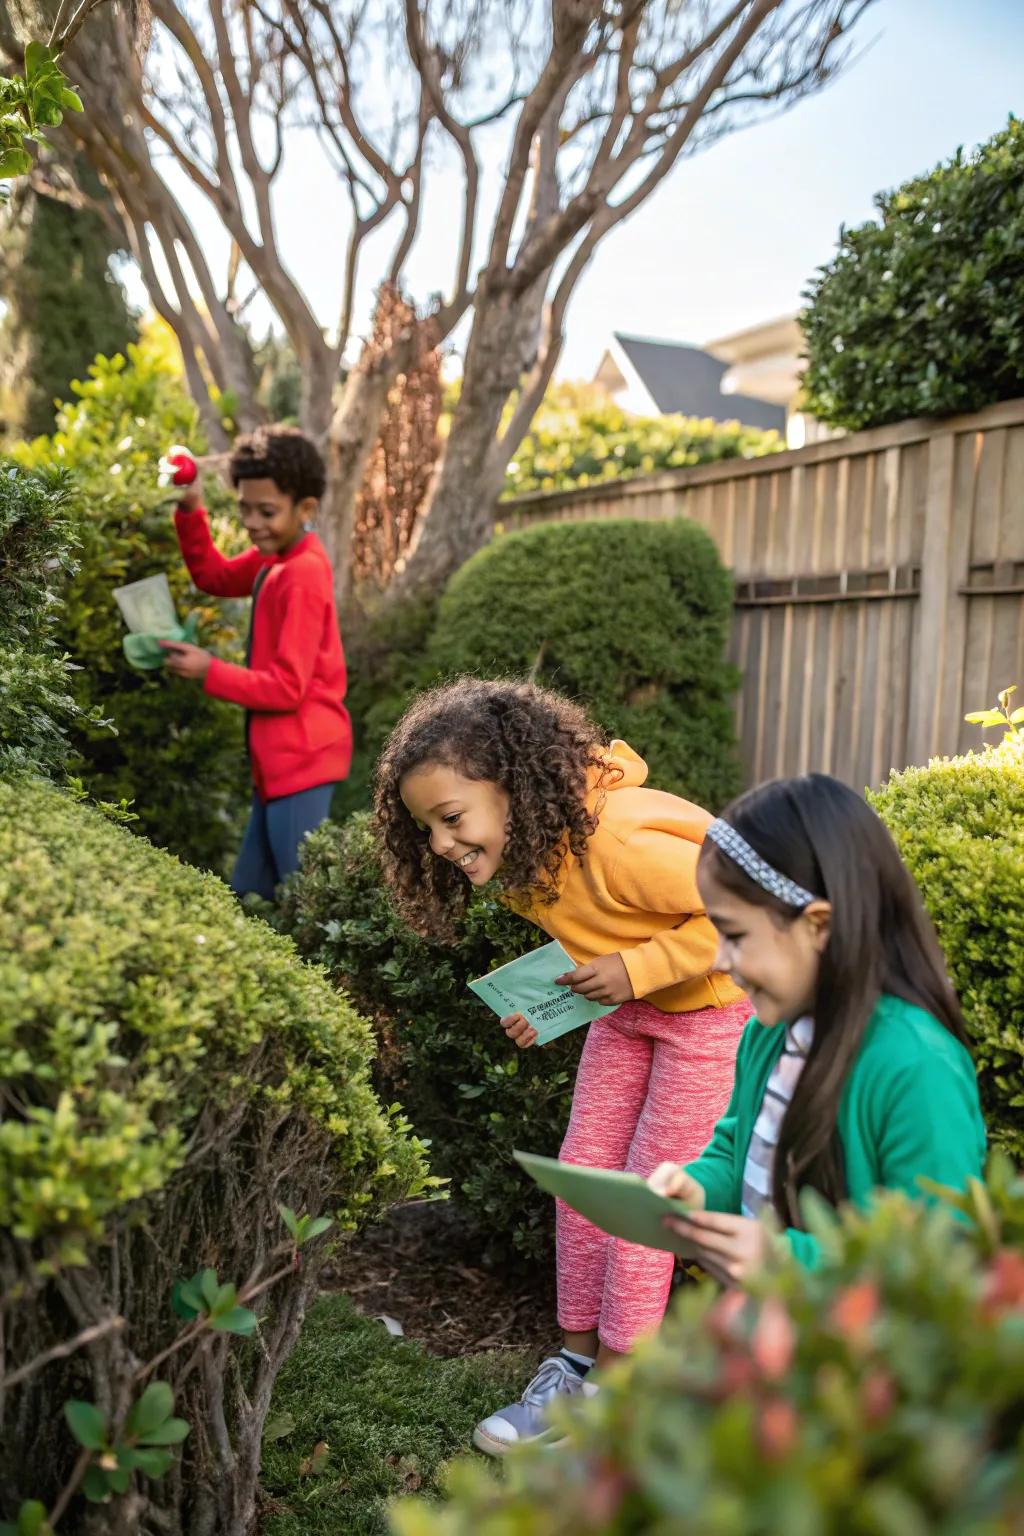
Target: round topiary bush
[630,617]
[959,823]
[466,1089]
[172,1076]
[921,313]
[882,1393]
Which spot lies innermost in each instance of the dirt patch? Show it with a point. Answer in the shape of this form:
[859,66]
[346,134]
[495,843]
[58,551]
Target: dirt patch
[421,1267]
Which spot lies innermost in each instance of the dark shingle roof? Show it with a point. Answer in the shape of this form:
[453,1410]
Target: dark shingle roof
[687,381]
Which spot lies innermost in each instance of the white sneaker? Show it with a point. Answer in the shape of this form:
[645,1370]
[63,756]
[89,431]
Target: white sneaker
[526,1420]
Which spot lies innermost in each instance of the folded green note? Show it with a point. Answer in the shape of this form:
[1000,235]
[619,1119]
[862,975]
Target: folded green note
[148,610]
[527,986]
[619,1203]
[144,651]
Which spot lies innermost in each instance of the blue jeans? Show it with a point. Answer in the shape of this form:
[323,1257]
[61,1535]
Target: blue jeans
[270,847]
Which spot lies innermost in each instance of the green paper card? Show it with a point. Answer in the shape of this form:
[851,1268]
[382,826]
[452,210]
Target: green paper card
[527,986]
[618,1203]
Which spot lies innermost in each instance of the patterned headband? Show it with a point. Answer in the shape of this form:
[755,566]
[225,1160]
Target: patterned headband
[760,871]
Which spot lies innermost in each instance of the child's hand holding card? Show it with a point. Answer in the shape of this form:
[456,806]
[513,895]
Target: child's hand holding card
[529,986]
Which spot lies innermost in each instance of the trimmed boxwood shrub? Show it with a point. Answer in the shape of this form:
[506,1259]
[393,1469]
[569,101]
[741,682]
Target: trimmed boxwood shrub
[882,1394]
[921,312]
[440,1050]
[170,736]
[630,617]
[959,823]
[172,1075]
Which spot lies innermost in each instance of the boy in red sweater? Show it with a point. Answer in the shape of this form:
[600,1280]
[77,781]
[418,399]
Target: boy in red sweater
[292,686]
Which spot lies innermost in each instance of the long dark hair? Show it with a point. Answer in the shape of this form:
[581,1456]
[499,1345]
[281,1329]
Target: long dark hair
[540,749]
[827,839]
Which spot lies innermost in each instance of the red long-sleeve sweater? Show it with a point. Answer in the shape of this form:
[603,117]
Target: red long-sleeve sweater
[300,734]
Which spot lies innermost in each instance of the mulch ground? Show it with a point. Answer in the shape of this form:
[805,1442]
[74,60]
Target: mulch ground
[420,1267]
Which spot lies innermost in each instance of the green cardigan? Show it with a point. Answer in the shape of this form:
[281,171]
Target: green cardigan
[910,1108]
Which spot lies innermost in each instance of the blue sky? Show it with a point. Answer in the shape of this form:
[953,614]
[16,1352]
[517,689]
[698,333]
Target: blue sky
[733,235]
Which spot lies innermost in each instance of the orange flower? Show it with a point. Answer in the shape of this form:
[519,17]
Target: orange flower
[855,1308]
[774,1340]
[724,1317]
[777,1428]
[1004,1282]
[877,1396]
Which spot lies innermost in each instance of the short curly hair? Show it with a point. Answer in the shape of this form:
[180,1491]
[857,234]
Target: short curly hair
[540,748]
[284,455]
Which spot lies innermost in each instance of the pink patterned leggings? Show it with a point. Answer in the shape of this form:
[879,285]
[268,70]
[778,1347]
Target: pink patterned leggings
[650,1087]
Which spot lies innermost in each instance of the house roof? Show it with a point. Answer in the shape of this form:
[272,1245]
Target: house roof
[688,381]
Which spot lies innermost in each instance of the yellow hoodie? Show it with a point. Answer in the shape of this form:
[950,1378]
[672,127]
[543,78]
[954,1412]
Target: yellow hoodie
[635,891]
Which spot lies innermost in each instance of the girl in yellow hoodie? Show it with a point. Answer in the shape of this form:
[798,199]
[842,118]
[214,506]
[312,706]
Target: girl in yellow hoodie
[506,781]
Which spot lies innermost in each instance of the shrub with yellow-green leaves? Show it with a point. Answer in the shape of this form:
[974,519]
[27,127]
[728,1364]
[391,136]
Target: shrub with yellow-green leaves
[173,746]
[173,1077]
[959,824]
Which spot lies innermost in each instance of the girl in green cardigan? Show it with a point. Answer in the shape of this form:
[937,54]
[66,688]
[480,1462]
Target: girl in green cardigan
[855,1073]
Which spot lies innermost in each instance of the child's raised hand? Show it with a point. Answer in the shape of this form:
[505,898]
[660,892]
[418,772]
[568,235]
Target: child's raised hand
[604,980]
[519,1029]
[191,496]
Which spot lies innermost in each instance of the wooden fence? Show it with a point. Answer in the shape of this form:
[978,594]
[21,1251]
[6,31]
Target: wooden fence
[879,585]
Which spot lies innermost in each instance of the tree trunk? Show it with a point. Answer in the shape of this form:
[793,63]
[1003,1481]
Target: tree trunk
[459,514]
[353,432]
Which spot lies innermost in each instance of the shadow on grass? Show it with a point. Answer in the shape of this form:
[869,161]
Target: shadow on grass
[389,1414]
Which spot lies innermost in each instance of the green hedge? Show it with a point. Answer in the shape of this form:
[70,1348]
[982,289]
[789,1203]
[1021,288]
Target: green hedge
[172,1073]
[466,1089]
[632,618]
[880,1395]
[38,547]
[178,754]
[921,312]
[959,823]
[581,437]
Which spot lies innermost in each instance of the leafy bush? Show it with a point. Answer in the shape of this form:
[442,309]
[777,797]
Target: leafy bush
[922,311]
[882,1394]
[37,556]
[579,437]
[440,1050]
[173,1076]
[630,617]
[172,739]
[959,824]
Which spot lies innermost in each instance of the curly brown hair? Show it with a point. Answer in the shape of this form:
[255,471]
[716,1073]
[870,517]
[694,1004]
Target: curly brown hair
[284,455]
[539,748]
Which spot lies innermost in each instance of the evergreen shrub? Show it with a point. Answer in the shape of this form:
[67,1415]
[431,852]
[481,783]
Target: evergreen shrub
[173,1077]
[178,755]
[959,824]
[39,701]
[631,618]
[921,311]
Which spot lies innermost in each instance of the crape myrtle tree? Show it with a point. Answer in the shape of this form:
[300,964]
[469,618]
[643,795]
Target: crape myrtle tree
[594,102]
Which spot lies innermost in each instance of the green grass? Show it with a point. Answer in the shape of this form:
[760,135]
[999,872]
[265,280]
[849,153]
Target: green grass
[391,1415]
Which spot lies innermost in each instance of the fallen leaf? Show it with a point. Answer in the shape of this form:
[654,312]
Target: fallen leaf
[278,1427]
[313,1466]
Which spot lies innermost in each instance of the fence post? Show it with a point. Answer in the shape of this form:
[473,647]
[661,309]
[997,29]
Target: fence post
[942,611]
